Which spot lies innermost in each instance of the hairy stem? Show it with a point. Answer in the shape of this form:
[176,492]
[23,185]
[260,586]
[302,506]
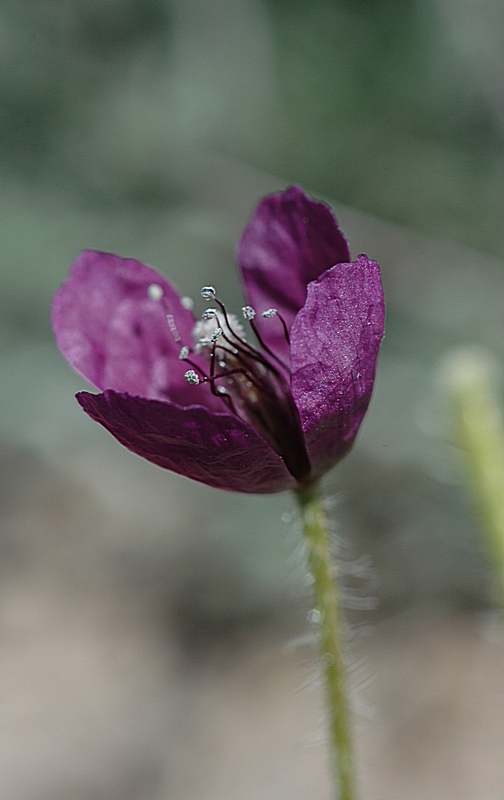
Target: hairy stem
[479,432]
[328,606]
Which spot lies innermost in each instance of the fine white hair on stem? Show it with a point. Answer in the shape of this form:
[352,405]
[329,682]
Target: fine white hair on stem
[361,567]
[315,680]
[332,500]
[298,642]
[358,631]
[355,602]
[356,577]
[363,707]
[316,738]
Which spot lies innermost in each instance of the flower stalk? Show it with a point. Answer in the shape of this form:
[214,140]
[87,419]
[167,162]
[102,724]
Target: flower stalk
[330,619]
[479,432]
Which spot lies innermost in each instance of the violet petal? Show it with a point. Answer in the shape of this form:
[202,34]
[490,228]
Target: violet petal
[117,335]
[335,341]
[217,449]
[290,241]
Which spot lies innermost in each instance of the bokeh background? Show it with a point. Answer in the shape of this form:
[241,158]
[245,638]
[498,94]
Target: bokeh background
[154,642]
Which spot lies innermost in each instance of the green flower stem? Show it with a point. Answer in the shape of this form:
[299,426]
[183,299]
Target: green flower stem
[479,433]
[327,602]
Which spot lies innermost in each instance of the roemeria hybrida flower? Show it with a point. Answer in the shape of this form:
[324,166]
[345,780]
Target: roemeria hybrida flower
[259,410]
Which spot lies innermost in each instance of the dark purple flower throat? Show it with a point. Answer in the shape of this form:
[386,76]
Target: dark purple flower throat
[252,382]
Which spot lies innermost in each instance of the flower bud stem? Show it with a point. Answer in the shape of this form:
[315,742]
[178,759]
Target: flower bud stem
[479,432]
[328,604]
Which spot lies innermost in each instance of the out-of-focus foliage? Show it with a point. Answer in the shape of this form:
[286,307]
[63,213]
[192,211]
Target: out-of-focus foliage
[379,104]
[382,112]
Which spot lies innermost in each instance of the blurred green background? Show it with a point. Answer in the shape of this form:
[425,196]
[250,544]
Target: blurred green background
[151,128]
[391,107]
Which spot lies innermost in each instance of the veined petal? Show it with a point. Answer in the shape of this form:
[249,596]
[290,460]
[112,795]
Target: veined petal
[121,325]
[290,241]
[218,449]
[334,347]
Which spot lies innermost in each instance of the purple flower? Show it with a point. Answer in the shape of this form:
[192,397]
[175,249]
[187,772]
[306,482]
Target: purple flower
[200,398]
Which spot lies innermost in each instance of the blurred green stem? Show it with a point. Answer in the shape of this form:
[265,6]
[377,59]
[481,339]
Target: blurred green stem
[480,434]
[329,614]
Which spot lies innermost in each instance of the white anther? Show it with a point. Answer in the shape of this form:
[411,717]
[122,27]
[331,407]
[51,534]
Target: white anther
[208,293]
[187,303]
[271,312]
[192,377]
[204,341]
[184,353]
[216,335]
[155,291]
[248,312]
[210,313]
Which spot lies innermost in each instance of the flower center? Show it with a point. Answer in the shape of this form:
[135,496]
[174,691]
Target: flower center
[251,381]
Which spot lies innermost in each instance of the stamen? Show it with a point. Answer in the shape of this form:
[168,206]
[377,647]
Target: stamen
[251,379]
[273,312]
[238,347]
[237,371]
[248,312]
[155,292]
[187,303]
[200,374]
[192,377]
[286,330]
[266,348]
[240,344]
[219,391]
